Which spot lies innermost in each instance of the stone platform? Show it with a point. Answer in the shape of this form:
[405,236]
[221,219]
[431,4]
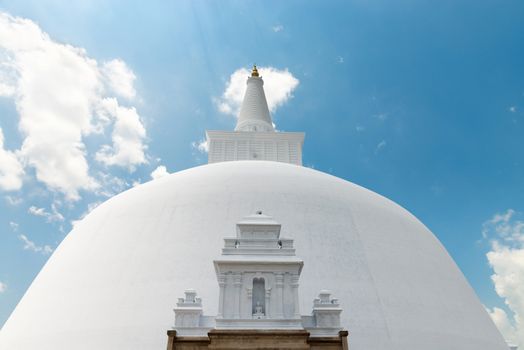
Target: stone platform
[257,339]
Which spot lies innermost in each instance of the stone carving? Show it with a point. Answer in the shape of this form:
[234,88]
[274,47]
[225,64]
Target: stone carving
[188,310]
[259,313]
[260,259]
[326,313]
[258,279]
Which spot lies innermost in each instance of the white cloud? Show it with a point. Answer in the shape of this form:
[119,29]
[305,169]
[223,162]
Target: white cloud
[92,206]
[381,116]
[120,78]
[360,128]
[89,209]
[13,201]
[500,218]
[505,227]
[506,258]
[32,246]
[278,86]
[11,170]
[278,28]
[7,77]
[512,109]
[504,324]
[159,172]
[202,146]
[55,215]
[6,90]
[128,149]
[13,225]
[3,287]
[380,146]
[58,91]
[37,211]
[52,216]
[110,185]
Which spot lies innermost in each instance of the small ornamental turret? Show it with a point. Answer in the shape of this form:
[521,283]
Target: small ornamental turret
[326,312]
[188,310]
[189,318]
[325,318]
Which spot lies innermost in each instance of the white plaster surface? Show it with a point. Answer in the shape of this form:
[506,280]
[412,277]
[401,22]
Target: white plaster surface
[255,145]
[112,283]
[254,113]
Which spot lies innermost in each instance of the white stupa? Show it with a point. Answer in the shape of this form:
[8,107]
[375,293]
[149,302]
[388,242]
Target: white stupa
[114,280]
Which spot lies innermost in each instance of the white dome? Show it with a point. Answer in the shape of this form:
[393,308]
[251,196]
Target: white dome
[114,280]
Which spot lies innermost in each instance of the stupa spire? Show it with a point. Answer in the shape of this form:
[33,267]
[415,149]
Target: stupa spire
[254,112]
[255,137]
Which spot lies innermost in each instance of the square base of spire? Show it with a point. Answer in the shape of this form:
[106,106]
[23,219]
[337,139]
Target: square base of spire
[283,147]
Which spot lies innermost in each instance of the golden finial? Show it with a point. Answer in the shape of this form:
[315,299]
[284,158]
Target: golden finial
[254,72]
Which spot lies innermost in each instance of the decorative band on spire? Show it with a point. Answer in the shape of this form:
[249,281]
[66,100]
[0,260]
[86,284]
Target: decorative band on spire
[254,71]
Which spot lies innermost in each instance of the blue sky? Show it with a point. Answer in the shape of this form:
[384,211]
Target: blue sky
[420,101]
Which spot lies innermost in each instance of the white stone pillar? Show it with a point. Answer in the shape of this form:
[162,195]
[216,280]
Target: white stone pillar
[268,305]
[237,282]
[294,287]
[221,295]
[279,297]
[249,292]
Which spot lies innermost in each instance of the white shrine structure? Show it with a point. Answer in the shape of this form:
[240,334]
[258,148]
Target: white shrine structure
[258,278]
[112,281]
[258,275]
